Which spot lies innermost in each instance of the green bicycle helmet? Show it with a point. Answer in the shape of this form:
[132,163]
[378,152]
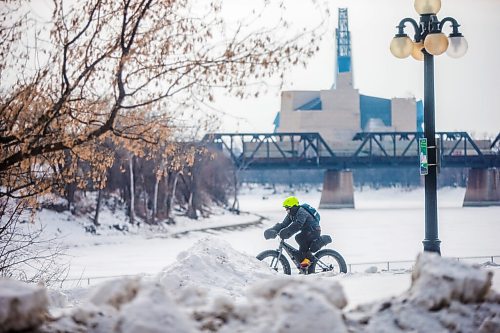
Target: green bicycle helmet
[290,202]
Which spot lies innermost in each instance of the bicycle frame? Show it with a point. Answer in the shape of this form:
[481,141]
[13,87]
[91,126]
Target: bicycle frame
[323,260]
[290,250]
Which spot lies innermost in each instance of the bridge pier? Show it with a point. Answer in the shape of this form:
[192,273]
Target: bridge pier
[338,190]
[483,188]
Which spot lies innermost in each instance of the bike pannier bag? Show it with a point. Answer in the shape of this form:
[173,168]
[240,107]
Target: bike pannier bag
[318,243]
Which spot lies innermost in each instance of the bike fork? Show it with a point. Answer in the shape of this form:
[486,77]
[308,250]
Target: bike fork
[275,266]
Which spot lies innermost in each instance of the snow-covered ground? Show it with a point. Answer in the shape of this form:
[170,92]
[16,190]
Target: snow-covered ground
[209,267]
[386,226]
[214,288]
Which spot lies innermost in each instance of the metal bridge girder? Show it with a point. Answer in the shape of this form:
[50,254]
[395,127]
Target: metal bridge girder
[376,149]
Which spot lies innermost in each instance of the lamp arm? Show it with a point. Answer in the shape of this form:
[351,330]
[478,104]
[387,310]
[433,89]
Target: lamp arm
[402,26]
[454,25]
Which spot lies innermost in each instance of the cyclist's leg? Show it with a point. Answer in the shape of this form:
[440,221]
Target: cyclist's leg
[311,236]
[305,239]
[303,242]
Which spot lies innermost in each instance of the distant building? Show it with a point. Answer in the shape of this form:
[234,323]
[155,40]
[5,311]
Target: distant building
[340,112]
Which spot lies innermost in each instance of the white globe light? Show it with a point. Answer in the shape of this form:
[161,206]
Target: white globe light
[427,6]
[457,46]
[401,47]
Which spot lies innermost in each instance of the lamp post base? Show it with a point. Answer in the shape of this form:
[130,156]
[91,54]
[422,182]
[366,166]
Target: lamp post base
[432,246]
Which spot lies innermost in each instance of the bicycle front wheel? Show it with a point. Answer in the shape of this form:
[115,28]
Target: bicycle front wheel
[270,257]
[328,261]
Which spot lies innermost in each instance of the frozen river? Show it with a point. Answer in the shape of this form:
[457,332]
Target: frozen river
[387,225]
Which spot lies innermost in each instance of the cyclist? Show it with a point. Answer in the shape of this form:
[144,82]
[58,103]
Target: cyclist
[297,219]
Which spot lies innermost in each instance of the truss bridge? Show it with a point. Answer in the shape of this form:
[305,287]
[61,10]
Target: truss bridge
[373,149]
[366,150]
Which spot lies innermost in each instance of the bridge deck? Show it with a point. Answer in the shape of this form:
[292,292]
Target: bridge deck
[373,149]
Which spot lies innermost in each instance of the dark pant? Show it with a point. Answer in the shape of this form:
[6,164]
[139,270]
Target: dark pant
[304,239]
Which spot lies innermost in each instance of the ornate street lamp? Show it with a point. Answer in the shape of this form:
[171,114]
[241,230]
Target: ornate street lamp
[429,41]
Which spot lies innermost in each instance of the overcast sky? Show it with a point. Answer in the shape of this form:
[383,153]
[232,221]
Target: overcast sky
[467,90]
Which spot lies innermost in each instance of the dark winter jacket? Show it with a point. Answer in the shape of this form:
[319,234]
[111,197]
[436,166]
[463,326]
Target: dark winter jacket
[299,219]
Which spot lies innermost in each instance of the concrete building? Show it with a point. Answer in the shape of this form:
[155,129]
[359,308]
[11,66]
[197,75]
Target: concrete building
[342,111]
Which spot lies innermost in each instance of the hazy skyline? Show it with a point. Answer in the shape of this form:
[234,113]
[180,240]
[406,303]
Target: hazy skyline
[466,89]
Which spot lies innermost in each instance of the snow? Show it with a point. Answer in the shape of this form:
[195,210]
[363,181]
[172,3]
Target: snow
[380,229]
[22,306]
[212,266]
[445,296]
[152,310]
[166,279]
[432,287]
[293,304]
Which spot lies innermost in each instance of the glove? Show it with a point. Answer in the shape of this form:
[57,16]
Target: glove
[270,233]
[285,233]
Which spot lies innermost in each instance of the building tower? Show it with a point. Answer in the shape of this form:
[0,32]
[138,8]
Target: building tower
[343,75]
[339,113]
[342,111]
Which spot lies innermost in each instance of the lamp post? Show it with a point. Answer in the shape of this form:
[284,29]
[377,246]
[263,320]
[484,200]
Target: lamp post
[428,42]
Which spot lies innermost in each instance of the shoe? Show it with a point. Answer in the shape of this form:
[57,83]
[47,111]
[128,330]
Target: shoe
[305,263]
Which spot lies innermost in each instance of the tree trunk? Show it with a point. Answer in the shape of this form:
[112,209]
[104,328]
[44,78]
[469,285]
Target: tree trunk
[171,199]
[69,193]
[155,201]
[236,204]
[145,206]
[98,208]
[166,198]
[145,200]
[191,212]
[69,188]
[132,190]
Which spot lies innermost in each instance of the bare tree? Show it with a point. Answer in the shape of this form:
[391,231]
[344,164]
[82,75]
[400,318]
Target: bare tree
[118,71]
[24,253]
[106,69]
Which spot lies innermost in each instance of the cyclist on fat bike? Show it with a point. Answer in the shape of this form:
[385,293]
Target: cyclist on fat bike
[297,219]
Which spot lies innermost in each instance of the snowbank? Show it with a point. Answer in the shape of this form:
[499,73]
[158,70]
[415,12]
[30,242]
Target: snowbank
[211,267]
[435,288]
[214,288]
[297,304]
[445,296]
[152,310]
[22,306]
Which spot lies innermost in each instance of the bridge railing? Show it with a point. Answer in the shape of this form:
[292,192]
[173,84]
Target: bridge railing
[391,266]
[301,150]
[495,145]
[286,146]
[400,144]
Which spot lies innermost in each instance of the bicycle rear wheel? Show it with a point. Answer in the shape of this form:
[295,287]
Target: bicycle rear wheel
[270,257]
[328,261]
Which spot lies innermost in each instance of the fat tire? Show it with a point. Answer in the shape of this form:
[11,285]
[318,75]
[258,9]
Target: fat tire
[274,254]
[330,253]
